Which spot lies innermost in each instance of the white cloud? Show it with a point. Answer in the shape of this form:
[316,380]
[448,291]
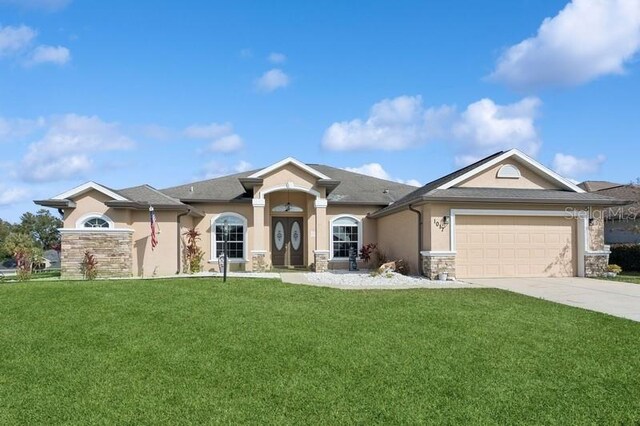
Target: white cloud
[393,124]
[47,5]
[482,128]
[230,143]
[208,131]
[221,136]
[377,171]
[15,39]
[586,40]
[272,80]
[13,195]
[57,55]
[485,127]
[68,147]
[568,165]
[216,169]
[276,58]
[15,129]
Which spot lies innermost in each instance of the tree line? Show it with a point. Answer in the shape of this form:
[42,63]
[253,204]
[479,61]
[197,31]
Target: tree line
[27,240]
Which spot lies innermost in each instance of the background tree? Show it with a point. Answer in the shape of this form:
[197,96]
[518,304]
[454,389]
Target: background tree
[5,229]
[42,227]
[24,250]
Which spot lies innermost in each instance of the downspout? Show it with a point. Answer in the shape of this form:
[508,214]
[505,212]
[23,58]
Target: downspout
[179,240]
[419,213]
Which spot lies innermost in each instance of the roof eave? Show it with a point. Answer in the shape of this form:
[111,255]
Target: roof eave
[426,198]
[56,204]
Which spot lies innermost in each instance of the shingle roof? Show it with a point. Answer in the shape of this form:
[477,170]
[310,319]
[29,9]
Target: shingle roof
[623,192]
[148,195]
[597,185]
[224,188]
[353,188]
[358,188]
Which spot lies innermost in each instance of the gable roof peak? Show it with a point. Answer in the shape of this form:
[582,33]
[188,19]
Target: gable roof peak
[537,166]
[284,162]
[88,186]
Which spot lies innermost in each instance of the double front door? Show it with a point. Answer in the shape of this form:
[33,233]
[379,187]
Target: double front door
[287,248]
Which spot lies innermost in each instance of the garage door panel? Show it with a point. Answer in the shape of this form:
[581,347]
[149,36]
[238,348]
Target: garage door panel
[503,246]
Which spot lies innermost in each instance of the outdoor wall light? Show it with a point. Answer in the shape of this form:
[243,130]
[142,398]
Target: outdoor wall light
[445,220]
[591,221]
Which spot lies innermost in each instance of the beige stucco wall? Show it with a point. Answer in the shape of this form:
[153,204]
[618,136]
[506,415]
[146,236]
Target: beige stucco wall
[93,202]
[203,225]
[529,180]
[286,174]
[398,237]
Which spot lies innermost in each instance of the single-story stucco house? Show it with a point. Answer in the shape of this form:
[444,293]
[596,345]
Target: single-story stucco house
[621,223]
[504,216]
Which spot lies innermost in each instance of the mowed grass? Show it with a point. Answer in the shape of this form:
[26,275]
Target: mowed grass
[627,277]
[258,351]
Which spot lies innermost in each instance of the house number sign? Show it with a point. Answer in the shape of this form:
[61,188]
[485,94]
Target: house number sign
[440,224]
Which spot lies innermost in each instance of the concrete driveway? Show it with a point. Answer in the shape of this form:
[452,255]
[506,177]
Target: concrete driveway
[610,297]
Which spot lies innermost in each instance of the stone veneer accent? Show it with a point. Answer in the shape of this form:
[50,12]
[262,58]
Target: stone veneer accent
[595,265]
[321,261]
[113,251]
[432,265]
[259,261]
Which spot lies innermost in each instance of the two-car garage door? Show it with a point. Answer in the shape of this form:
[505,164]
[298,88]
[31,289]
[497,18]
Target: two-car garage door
[515,246]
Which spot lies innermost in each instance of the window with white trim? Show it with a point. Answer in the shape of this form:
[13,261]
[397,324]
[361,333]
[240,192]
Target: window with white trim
[94,220]
[236,241]
[345,234]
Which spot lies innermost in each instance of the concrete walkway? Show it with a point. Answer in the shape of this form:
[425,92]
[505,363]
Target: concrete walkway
[610,297]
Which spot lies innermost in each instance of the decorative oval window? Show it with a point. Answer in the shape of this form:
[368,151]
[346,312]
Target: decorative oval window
[278,235]
[295,235]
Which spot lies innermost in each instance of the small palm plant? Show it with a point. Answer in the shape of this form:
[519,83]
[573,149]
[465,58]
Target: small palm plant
[193,252]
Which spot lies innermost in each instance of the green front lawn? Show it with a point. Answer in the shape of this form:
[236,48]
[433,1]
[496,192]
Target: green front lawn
[627,277]
[258,351]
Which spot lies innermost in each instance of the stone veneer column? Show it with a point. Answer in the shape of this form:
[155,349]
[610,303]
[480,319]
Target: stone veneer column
[258,253]
[435,263]
[321,252]
[112,249]
[595,264]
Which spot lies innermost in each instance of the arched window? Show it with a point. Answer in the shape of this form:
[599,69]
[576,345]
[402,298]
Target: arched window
[509,171]
[346,233]
[236,243]
[94,221]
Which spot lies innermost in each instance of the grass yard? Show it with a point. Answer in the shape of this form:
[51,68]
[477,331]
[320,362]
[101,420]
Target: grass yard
[258,351]
[627,277]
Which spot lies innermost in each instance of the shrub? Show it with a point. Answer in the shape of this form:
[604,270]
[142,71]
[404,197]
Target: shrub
[627,256]
[614,268]
[371,254]
[24,251]
[89,266]
[367,251]
[193,252]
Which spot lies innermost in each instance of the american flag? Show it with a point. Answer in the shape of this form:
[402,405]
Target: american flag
[152,219]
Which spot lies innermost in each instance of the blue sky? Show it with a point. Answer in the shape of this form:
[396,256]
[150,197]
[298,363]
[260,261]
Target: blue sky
[125,93]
